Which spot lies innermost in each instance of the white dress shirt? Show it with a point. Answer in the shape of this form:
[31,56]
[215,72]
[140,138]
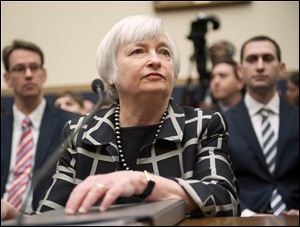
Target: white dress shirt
[254,107]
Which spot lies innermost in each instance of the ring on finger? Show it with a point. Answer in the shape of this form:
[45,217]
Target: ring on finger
[101,186]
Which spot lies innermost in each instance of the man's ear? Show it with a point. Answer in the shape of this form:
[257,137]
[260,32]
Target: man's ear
[241,84]
[7,79]
[239,72]
[45,75]
[282,71]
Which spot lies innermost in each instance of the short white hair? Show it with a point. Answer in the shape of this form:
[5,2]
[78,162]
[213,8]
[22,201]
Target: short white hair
[130,29]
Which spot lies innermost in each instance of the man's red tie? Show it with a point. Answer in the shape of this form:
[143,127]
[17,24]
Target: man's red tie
[23,168]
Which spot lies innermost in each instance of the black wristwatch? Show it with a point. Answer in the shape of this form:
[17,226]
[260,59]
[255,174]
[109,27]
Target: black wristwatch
[149,186]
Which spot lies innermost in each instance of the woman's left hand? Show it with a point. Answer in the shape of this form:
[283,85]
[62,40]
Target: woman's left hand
[106,187]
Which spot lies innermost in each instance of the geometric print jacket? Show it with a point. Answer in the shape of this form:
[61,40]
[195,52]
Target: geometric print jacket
[191,149]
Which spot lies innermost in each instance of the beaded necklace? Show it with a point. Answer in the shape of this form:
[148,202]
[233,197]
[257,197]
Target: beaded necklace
[118,135]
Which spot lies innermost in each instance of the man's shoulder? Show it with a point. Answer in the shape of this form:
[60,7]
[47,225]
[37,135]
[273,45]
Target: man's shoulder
[54,110]
[238,108]
[58,114]
[285,104]
[6,118]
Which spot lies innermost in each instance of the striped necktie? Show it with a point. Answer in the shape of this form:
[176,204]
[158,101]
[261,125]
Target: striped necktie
[23,168]
[269,140]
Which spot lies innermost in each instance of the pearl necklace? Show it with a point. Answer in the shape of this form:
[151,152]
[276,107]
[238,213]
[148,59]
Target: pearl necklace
[118,135]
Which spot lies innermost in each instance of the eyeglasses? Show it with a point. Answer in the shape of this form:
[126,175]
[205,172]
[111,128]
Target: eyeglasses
[21,69]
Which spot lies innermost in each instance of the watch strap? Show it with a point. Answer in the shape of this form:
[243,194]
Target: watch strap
[150,185]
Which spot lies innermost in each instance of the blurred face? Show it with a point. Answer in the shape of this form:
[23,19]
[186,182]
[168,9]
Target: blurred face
[292,93]
[25,75]
[224,83]
[145,67]
[260,67]
[68,103]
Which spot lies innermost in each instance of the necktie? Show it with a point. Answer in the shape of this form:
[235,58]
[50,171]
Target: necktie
[270,150]
[23,167]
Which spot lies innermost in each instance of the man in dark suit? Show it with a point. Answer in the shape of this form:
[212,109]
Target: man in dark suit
[25,74]
[265,163]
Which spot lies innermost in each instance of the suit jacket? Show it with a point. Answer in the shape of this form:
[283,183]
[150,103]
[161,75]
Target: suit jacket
[49,138]
[255,182]
[191,149]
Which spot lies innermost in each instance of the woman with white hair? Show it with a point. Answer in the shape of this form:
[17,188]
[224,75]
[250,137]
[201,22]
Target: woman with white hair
[144,147]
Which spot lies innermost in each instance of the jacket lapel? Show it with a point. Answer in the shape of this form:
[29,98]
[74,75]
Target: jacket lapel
[100,129]
[173,125]
[285,124]
[242,119]
[47,130]
[6,143]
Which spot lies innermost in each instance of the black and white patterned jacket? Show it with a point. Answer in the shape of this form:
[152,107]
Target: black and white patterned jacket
[191,149]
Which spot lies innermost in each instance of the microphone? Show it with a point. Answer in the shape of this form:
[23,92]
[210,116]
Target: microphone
[98,88]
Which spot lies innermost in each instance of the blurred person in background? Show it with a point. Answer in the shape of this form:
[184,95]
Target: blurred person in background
[226,85]
[292,92]
[70,101]
[219,51]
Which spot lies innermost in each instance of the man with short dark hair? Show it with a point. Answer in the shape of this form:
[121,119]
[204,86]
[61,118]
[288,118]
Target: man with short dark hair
[264,135]
[31,131]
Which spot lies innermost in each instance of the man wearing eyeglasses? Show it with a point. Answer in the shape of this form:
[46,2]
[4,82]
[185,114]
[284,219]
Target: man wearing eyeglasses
[30,131]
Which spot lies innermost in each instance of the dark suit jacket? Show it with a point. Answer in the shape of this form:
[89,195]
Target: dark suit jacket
[255,182]
[50,137]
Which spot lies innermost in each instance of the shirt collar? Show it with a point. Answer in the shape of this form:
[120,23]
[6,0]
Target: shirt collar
[35,116]
[254,106]
[223,108]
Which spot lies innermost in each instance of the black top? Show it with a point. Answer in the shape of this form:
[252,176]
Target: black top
[134,139]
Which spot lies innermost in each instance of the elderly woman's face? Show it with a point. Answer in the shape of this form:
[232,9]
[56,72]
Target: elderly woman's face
[145,67]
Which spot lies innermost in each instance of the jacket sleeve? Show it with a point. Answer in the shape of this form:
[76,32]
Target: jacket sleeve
[64,179]
[213,184]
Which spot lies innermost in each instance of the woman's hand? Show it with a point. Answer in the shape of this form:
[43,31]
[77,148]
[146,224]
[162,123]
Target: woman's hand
[8,211]
[106,187]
